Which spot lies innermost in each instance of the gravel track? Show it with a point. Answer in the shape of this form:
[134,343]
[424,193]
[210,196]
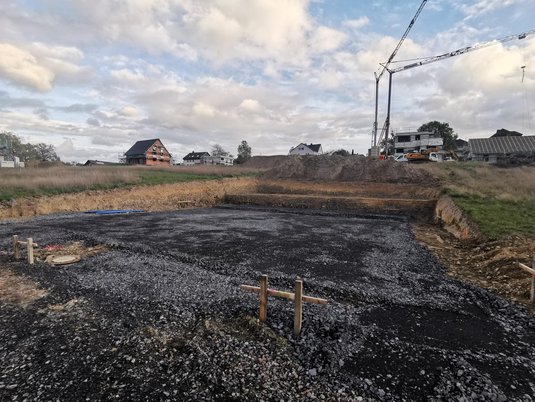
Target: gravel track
[161,316]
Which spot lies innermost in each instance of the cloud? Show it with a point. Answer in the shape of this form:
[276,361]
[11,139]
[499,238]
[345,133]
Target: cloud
[250,105]
[129,111]
[20,67]
[79,108]
[93,122]
[485,6]
[357,23]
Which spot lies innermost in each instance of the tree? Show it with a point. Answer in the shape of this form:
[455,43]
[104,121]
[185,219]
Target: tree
[341,152]
[46,152]
[27,152]
[444,130]
[218,150]
[244,152]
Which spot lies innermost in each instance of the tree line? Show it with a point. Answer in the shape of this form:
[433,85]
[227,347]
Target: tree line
[28,152]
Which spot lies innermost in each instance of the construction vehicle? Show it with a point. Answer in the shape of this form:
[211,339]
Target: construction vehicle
[431,155]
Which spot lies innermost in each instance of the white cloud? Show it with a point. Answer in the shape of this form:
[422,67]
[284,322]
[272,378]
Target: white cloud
[250,105]
[129,111]
[20,67]
[486,6]
[356,24]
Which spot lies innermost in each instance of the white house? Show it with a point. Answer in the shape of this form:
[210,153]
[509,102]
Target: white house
[306,149]
[222,159]
[416,141]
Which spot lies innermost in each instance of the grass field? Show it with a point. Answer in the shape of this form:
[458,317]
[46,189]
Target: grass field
[17,183]
[500,200]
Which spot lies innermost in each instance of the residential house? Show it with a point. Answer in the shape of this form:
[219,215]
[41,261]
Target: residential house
[148,152]
[490,149]
[222,159]
[194,158]
[416,141]
[306,149]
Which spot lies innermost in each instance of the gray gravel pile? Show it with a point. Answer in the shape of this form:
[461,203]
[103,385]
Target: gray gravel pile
[161,315]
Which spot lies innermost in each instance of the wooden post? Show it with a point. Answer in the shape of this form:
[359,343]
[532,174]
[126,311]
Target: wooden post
[298,306]
[263,298]
[30,250]
[532,298]
[16,249]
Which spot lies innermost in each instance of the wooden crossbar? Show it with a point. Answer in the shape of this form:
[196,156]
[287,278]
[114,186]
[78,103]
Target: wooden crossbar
[531,271]
[298,298]
[284,295]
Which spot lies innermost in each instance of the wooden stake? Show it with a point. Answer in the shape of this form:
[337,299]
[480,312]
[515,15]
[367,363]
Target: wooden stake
[30,250]
[16,249]
[298,306]
[263,298]
[532,298]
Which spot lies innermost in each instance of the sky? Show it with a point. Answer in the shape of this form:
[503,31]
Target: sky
[92,77]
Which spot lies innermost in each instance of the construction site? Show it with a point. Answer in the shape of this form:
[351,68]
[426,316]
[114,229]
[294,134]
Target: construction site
[401,298]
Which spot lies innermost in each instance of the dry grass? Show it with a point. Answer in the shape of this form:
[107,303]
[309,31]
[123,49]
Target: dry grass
[65,176]
[17,183]
[19,290]
[482,180]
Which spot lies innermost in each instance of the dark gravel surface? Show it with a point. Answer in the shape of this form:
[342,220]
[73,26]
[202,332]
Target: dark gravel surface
[161,316]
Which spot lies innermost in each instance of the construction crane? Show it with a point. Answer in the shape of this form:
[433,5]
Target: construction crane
[385,68]
[428,60]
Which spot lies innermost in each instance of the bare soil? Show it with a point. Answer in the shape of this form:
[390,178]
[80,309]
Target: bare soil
[491,265]
[18,289]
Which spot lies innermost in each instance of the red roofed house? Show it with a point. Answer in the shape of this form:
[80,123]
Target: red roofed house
[148,152]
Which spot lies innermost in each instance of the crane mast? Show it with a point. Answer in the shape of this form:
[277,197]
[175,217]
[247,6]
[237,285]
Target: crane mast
[385,68]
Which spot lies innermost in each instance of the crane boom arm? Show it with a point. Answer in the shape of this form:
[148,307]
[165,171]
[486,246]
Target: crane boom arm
[458,52]
[385,66]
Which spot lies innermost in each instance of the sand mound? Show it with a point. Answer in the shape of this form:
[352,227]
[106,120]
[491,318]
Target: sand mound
[343,168]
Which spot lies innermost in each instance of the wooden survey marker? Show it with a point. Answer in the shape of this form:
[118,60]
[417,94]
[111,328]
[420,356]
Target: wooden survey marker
[530,270]
[298,298]
[29,245]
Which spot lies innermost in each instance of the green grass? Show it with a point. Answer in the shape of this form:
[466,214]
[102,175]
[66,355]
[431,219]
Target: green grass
[498,218]
[117,177]
[11,193]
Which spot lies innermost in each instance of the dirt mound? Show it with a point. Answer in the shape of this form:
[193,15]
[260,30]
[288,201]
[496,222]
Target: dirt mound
[265,162]
[491,265]
[353,168]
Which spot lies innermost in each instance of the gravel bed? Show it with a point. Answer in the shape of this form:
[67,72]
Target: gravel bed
[161,317]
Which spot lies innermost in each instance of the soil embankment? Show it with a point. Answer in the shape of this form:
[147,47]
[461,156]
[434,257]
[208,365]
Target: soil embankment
[148,198]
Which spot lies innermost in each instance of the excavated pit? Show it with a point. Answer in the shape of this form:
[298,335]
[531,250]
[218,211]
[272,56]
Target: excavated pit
[160,316]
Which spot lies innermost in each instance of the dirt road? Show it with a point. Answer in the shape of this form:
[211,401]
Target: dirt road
[160,316]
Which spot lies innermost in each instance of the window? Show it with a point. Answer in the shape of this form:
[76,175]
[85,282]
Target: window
[417,138]
[403,138]
[399,150]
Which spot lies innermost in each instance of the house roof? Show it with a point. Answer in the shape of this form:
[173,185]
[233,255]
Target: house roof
[502,145]
[91,162]
[141,147]
[312,147]
[195,155]
[506,133]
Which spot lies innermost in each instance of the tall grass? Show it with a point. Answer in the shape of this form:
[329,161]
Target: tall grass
[15,183]
[482,180]
[500,200]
